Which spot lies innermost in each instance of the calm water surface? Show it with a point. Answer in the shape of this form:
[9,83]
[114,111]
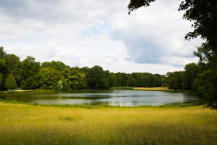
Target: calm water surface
[111,97]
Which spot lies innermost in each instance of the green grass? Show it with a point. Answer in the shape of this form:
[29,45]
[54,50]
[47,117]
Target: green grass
[11,92]
[122,88]
[22,124]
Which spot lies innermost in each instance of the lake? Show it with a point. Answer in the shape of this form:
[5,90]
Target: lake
[108,97]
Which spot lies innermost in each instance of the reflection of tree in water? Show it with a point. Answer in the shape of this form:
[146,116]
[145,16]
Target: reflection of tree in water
[115,98]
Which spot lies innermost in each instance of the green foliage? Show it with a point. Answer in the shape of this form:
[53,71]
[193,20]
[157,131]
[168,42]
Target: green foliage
[189,75]
[205,86]
[11,61]
[2,52]
[1,75]
[30,69]
[58,65]
[77,79]
[175,80]
[29,75]
[147,80]
[30,83]
[97,78]
[203,14]
[3,69]
[2,64]
[59,85]
[113,80]
[49,78]
[11,82]
[18,72]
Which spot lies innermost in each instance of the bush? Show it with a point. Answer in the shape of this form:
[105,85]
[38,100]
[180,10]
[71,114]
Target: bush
[11,82]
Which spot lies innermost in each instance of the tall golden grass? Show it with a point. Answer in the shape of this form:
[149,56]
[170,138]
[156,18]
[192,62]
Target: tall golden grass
[22,124]
[152,89]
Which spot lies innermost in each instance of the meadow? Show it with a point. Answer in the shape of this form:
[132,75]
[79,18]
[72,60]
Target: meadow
[22,124]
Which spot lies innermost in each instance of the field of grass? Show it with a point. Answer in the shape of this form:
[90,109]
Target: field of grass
[152,89]
[22,124]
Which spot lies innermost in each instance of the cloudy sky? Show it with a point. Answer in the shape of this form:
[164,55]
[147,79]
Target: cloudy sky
[98,32]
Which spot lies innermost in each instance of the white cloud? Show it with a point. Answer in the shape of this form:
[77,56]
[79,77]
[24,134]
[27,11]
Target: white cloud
[155,34]
[93,32]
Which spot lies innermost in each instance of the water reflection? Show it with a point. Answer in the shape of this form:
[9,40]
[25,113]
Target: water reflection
[112,98]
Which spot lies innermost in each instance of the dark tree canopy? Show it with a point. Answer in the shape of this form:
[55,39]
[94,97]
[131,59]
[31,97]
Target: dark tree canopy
[204,15]
[135,4]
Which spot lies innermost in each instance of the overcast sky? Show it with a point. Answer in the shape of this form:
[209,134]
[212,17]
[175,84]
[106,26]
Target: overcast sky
[98,32]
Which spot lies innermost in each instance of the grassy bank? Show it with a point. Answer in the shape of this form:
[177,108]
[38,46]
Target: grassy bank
[144,88]
[152,89]
[41,125]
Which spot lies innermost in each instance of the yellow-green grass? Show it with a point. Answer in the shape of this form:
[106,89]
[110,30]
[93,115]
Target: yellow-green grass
[22,124]
[153,89]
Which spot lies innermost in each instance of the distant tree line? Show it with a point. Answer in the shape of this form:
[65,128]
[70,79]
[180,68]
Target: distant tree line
[200,78]
[29,74]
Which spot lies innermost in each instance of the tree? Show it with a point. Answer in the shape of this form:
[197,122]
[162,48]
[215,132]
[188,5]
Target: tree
[3,69]
[1,75]
[76,79]
[135,4]
[97,78]
[59,85]
[58,65]
[113,80]
[48,78]
[13,66]
[2,52]
[30,78]
[174,80]
[11,82]
[11,61]
[18,72]
[203,14]
[3,72]
[190,73]
[205,86]
[157,80]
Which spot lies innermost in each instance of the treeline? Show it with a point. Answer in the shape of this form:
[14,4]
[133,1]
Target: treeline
[29,74]
[200,78]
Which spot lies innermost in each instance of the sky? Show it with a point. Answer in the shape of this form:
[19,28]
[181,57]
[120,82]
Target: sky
[98,32]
